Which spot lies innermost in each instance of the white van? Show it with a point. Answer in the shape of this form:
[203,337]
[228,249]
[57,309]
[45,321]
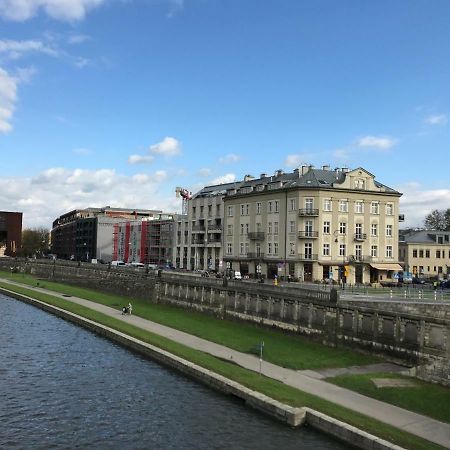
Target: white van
[137,265]
[117,264]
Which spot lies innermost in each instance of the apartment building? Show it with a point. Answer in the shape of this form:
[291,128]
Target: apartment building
[425,253]
[147,241]
[10,233]
[85,234]
[313,224]
[199,235]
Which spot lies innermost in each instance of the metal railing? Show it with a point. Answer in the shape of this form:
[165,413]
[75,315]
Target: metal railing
[308,234]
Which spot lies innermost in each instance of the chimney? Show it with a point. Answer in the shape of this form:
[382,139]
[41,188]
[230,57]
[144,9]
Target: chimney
[263,175]
[248,178]
[325,167]
[305,170]
[279,172]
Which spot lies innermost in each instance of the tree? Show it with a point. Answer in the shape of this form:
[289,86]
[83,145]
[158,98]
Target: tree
[438,220]
[35,241]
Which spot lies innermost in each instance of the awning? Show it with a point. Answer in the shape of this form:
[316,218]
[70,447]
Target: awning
[394,267]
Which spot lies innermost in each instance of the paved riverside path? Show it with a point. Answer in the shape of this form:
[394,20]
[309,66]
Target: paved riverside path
[416,424]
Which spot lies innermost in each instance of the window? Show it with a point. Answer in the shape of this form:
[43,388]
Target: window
[258,249]
[374,251]
[258,207]
[269,227]
[326,249]
[275,228]
[342,228]
[374,229]
[327,204]
[277,203]
[229,249]
[246,228]
[359,207]
[269,207]
[343,205]
[374,207]
[292,204]
[414,253]
[247,246]
[308,228]
[389,230]
[420,253]
[269,248]
[358,251]
[275,248]
[309,204]
[230,230]
[242,229]
[241,248]
[245,209]
[389,209]
[258,226]
[193,211]
[342,249]
[326,227]
[209,210]
[292,248]
[359,184]
[438,253]
[292,226]
[388,251]
[427,253]
[308,250]
[358,229]
[230,211]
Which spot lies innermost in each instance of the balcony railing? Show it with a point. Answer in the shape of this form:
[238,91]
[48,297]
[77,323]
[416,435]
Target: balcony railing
[198,241]
[308,257]
[308,212]
[256,235]
[198,228]
[308,234]
[360,237]
[214,228]
[255,255]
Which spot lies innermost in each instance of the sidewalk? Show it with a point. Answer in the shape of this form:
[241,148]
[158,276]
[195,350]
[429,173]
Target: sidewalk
[416,424]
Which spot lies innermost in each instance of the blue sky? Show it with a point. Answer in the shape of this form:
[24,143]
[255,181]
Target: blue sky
[118,102]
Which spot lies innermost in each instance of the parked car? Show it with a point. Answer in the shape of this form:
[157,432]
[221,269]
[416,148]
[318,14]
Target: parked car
[390,283]
[117,264]
[417,280]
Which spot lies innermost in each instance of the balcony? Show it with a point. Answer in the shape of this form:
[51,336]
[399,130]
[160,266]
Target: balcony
[198,242]
[360,237]
[308,212]
[214,228]
[214,242]
[308,257]
[308,234]
[255,255]
[256,235]
[198,228]
[359,259]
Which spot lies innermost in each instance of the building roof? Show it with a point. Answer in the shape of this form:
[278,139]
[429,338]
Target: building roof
[423,236]
[304,177]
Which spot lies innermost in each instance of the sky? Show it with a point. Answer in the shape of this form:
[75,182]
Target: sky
[118,102]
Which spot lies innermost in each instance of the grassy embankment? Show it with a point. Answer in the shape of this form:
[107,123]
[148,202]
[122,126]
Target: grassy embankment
[425,398]
[294,352]
[252,380]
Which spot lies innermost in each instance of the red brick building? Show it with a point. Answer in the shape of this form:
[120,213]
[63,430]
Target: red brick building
[10,233]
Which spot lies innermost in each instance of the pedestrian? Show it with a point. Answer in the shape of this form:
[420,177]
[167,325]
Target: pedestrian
[130,308]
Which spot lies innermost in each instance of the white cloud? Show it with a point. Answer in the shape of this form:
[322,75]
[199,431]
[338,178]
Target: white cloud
[8,99]
[77,39]
[16,49]
[58,190]
[439,119]
[296,160]
[65,10]
[204,172]
[417,202]
[229,158]
[139,159]
[376,142]
[25,74]
[169,146]
[227,178]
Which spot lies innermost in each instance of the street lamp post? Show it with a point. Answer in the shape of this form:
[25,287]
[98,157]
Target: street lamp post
[336,240]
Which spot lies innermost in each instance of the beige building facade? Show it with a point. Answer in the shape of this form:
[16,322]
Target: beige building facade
[425,253]
[313,224]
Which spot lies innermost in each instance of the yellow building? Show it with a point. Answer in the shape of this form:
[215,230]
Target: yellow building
[313,224]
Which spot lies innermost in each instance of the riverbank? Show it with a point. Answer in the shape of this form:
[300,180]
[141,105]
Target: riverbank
[273,389]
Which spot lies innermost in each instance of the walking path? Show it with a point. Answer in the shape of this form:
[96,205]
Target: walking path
[416,424]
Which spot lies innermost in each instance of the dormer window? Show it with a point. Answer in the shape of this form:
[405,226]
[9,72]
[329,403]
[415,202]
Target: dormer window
[360,183]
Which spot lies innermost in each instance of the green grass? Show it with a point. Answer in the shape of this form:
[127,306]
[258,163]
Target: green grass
[267,386]
[428,399]
[294,352]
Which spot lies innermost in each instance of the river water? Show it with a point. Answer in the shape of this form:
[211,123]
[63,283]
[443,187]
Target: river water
[62,387]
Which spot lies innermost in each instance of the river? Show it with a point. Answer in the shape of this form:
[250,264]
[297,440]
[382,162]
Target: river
[63,387]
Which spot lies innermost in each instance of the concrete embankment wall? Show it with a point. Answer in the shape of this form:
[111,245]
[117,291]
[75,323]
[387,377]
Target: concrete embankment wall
[285,413]
[414,334]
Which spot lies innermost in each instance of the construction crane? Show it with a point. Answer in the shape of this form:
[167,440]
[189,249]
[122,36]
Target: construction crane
[185,196]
